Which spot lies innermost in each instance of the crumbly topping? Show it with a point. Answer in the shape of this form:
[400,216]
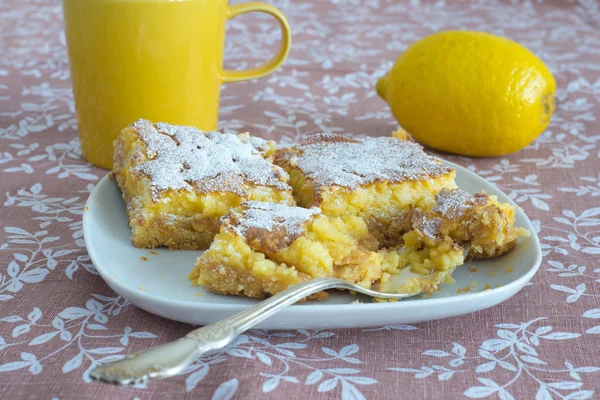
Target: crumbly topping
[330,159]
[452,204]
[183,157]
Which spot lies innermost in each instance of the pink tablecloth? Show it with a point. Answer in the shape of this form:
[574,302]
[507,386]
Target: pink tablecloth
[58,318]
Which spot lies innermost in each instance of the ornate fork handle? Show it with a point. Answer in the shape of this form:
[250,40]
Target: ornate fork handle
[171,358]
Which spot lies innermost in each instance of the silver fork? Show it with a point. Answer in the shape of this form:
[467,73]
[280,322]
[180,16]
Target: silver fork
[171,358]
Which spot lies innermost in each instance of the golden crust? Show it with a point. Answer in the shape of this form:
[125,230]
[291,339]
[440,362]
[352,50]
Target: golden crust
[184,233]
[223,278]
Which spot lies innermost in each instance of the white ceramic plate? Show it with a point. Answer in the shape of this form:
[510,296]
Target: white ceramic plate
[160,286]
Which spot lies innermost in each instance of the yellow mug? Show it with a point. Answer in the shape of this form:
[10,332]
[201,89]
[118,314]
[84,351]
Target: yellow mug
[155,59]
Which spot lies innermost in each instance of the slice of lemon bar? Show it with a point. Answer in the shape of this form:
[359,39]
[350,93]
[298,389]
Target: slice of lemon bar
[178,181]
[479,219]
[397,188]
[263,248]
[377,178]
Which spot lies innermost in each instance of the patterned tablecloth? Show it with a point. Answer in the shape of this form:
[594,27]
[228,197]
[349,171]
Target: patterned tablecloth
[58,319]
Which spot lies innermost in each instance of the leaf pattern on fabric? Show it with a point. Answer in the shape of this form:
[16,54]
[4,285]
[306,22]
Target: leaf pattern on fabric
[58,319]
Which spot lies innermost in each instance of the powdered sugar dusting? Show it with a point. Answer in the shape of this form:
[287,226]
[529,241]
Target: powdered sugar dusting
[452,204]
[183,157]
[272,217]
[330,159]
[429,226]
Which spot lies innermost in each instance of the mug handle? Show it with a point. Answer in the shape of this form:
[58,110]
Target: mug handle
[273,63]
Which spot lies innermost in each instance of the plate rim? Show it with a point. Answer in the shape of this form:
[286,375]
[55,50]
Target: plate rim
[515,285]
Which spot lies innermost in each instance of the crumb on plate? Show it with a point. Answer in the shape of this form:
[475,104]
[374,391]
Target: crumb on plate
[380,300]
[449,280]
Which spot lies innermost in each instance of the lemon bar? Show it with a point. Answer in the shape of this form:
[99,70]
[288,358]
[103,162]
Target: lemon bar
[480,220]
[263,248]
[377,178]
[178,181]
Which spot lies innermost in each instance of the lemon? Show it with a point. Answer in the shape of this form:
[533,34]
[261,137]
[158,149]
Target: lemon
[470,93]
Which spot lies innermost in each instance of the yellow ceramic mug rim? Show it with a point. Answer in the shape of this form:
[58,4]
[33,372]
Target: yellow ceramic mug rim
[271,65]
